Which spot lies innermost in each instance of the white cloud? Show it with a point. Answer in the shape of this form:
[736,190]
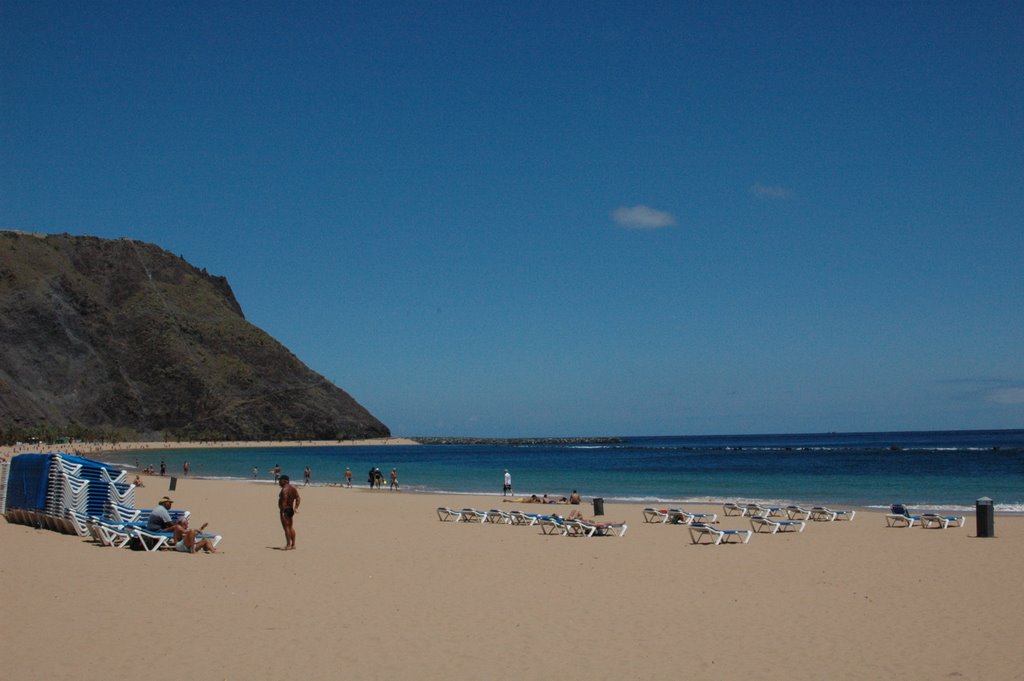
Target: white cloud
[763,191]
[1007,396]
[643,217]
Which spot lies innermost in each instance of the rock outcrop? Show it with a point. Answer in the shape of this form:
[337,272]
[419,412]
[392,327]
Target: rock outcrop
[102,336]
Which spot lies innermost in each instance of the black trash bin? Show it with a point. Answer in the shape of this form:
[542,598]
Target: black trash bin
[985,517]
[174,483]
[598,505]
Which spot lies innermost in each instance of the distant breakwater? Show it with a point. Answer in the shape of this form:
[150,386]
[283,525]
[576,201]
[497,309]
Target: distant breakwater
[519,441]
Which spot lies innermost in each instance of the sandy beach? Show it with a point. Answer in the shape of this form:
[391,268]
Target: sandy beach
[379,588]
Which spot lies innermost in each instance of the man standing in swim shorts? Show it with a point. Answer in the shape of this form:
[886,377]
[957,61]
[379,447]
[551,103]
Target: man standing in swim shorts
[288,502]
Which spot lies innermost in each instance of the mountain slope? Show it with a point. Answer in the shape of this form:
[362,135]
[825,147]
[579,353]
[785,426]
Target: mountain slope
[120,335]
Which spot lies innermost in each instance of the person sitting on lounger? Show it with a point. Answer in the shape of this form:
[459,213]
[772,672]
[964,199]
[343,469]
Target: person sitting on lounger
[160,519]
[188,542]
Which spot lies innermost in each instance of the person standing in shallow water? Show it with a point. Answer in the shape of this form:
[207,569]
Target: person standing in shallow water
[288,503]
[506,489]
[348,477]
[306,475]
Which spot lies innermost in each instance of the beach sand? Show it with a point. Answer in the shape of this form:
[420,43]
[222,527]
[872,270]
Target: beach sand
[378,588]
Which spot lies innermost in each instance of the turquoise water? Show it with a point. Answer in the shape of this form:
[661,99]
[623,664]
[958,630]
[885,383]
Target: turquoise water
[941,470]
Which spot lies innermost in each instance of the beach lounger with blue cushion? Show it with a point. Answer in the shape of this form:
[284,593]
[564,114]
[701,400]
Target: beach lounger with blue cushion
[716,535]
[760,523]
[794,512]
[941,522]
[900,516]
[154,541]
[765,511]
[552,524]
[80,523]
[119,513]
[731,508]
[590,528]
[678,516]
[826,514]
[111,534]
[657,515]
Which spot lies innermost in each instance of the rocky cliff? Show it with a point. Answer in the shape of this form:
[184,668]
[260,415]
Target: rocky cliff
[125,339]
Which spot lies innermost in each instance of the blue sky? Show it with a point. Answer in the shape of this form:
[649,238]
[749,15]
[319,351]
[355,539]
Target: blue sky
[536,218]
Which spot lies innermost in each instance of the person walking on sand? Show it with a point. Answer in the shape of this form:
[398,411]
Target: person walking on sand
[394,478]
[507,487]
[306,475]
[288,503]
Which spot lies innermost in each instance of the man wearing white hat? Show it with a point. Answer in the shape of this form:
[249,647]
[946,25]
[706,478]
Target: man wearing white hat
[160,518]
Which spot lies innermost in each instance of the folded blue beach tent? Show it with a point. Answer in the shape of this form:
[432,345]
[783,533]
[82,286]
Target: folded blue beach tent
[27,481]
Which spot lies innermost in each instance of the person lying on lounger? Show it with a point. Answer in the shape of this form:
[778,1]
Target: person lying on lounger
[189,542]
[576,515]
[534,499]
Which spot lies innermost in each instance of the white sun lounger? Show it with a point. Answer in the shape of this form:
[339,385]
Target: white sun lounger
[678,516]
[657,515]
[469,515]
[825,514]
[900,516]
[497,516]
[717,536]
[765,511]
[794,512]
[111,534]
[154,541]
[731,508]
[445,514]
[590,528]
[552,524]
[760,523]
[941,522]
[520,518]
[80,523]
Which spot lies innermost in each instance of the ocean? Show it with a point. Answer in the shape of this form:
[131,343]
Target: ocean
[938,470]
